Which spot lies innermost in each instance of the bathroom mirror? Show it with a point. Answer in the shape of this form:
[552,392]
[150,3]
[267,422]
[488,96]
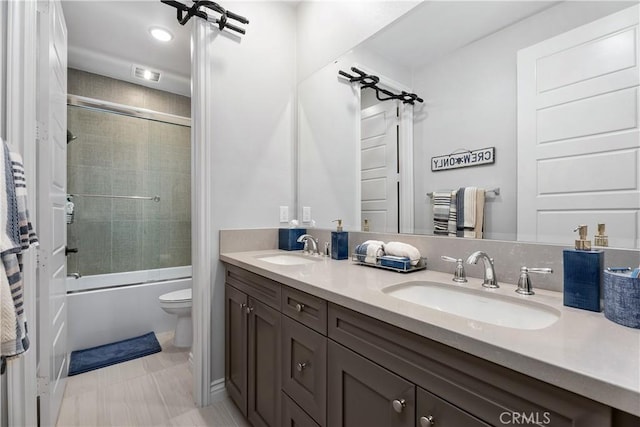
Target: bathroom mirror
[461,58]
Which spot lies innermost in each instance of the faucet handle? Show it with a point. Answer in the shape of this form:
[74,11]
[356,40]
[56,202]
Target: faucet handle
[459,275]
[524,282]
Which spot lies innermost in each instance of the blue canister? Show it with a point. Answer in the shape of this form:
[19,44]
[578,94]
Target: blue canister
[622,299]
[583,270]
[288,238]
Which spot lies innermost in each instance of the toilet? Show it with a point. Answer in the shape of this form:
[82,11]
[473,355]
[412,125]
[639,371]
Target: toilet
[179,303]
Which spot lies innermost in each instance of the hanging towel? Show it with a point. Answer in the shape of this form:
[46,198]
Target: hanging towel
[453,214]
[27,234]
[470,202]
[7,315]
[9,230]
[403,250]
[441,208]
[18,343]
[480,213]
[460,212]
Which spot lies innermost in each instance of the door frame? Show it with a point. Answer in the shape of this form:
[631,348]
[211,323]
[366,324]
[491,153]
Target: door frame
[21,137]
[405,152]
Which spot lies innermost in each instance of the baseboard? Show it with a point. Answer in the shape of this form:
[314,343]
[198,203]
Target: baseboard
[218,390]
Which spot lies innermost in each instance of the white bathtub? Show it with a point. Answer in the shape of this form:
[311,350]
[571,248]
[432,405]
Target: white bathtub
[112,307]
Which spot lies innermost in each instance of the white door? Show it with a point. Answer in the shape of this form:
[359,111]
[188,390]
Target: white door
[52,177]
[578,138]
[379,166]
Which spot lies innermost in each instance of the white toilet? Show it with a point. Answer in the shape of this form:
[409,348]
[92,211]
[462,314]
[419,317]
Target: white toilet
[179,303]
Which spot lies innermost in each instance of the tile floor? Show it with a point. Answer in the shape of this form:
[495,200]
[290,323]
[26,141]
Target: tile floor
[150,391]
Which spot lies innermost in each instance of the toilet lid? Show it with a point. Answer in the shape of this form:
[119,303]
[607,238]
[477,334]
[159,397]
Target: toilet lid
[181,295]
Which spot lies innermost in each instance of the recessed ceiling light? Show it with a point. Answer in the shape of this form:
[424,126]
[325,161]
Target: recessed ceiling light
[161,34]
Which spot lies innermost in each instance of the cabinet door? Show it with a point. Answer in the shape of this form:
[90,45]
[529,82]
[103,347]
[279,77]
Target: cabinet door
[304,367]
[236,346]
[264,365]
[433,411]
[293,415]
[361,393]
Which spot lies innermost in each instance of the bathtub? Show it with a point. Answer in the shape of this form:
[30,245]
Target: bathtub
[111,307]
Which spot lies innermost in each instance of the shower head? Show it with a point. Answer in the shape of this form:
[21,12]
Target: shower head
[70,136]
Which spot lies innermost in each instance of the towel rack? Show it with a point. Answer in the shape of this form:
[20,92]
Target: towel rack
[494,192]
[106,196]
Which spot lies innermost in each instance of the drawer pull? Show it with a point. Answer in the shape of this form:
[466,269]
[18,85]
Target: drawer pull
[300,366]
[299,307]
[399,405]
[248,309]
[427,421]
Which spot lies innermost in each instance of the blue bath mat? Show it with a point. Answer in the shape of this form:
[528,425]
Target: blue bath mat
[110,354]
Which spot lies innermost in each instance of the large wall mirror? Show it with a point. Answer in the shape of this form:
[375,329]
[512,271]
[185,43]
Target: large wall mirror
[359,157]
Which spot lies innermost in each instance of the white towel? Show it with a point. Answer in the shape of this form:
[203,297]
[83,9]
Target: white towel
[403,250]
[375,249]
[470,202]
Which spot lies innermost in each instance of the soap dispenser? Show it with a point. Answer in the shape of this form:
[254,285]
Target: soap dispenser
[583,269]
[339,242]
[601,239]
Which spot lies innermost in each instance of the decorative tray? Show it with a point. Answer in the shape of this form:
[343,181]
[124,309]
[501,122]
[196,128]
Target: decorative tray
[422,265]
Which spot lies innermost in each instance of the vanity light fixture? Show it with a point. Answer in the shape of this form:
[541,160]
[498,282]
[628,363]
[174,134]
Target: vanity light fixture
[161,34]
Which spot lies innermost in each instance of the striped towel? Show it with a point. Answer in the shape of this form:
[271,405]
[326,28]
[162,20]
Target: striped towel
[26,232]
[9,231]
[14,342]
[460,212]
[441,207]
[453,218]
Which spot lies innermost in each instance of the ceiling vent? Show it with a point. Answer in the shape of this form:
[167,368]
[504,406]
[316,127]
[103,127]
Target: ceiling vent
[145,74]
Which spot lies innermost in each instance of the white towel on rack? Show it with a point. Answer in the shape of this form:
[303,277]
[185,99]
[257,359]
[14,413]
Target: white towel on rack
[470,201]
[403,250]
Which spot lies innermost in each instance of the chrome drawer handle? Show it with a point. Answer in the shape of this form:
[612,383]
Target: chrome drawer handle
[399,405]
[299,307]
[300,366]
[427,421]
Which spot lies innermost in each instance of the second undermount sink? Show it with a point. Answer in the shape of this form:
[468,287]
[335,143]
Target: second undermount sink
[477,305]
[286,259]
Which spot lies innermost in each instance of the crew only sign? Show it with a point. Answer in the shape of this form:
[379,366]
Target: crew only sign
[465,159]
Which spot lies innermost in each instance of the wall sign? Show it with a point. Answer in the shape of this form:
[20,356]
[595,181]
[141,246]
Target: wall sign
[464,159]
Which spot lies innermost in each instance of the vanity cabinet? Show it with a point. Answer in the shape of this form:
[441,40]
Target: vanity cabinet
[253,349]
[295,359]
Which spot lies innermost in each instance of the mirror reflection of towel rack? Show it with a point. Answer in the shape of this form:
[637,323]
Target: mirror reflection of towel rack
[493,192]
[106,196]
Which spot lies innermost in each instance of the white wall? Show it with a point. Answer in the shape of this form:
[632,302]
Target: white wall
[470,102]
[252,95]
[328,29]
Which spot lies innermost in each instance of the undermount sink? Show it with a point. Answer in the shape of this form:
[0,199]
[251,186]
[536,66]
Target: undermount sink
[286,259]
[476,305]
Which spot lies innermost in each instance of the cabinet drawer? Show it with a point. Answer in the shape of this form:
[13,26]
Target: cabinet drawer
[433,411]
[293,415]
[304,367]
[305,308]
[264,290]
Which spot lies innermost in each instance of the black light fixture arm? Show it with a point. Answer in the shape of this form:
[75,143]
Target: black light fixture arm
[184,14]
[371,81]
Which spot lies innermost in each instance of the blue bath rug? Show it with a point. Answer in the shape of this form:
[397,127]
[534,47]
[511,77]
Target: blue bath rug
[110,354]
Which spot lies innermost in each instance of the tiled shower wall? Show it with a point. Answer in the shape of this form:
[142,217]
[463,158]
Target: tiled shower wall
[120,155]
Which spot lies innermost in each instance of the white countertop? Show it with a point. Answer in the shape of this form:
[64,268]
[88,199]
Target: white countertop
[582,352]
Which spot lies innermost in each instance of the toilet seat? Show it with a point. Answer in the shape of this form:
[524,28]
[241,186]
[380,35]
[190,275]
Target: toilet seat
[180,296]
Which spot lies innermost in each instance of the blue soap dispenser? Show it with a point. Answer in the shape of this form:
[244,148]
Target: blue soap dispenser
[339,242]
[583,270]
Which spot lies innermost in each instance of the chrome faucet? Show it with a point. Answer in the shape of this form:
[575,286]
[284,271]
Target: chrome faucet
[306,238]
[490,280]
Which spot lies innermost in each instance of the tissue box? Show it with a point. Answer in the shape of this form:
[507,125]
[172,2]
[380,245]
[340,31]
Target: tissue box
[287,238]
[622,299]
[401,263]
